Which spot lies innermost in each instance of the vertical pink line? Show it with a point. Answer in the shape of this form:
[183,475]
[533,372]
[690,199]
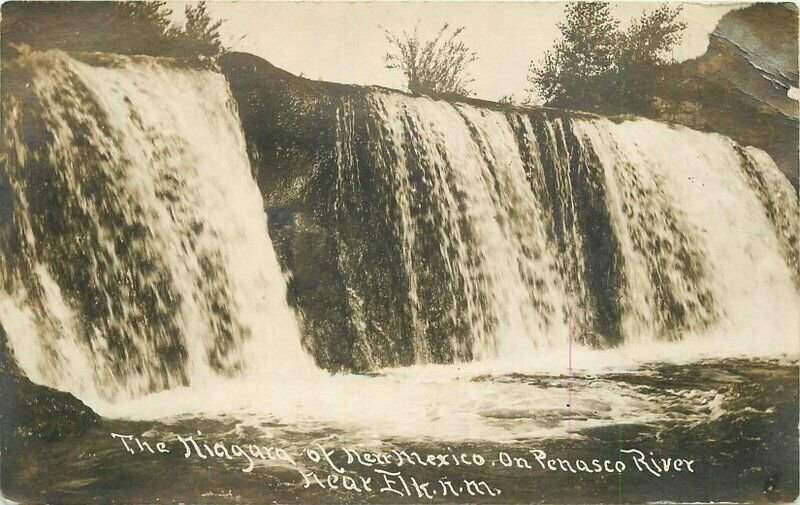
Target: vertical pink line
[569,382]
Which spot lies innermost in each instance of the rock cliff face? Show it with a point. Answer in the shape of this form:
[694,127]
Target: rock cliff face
[740,87]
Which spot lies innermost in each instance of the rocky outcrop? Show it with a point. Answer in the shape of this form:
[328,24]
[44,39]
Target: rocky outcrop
[32,413]
[740,87]
[289,126]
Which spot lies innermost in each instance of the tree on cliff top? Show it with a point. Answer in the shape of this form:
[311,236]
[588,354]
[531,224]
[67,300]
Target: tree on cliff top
[595,65]
[130,27]
[201,32]
[435,66]
[573,71]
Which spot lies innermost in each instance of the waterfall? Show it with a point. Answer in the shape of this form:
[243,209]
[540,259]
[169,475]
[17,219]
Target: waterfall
[511,227]
[138,259]
[473,238]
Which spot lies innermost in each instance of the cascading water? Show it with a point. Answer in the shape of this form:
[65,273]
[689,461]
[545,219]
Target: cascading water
[474,239]
[513,226]
[719,252]
[139,275]
[139,258]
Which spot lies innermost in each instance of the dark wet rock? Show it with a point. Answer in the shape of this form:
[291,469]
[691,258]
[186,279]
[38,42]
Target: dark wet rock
[32,413]
[289,125]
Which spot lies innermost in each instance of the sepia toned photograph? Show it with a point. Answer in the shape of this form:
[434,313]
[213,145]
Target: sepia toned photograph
[258,252]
